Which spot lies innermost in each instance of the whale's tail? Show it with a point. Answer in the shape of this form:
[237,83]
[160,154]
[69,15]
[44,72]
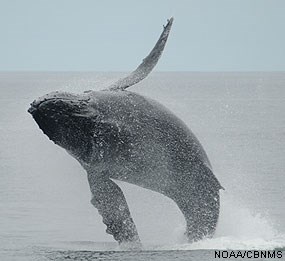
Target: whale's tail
[148,63]
[199,201]
[201,215]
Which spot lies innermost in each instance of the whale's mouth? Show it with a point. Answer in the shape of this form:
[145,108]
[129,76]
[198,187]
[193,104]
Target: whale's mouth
[67,121]
[36,104]
[58,100]
[60,116]
[32,109]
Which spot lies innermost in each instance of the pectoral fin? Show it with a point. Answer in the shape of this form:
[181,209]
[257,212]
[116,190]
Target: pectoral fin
[148,63]
[109,199]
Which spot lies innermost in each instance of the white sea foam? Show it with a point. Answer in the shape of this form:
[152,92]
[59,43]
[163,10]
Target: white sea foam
[238,229]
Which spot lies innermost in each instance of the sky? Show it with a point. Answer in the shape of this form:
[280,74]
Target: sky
[115,35]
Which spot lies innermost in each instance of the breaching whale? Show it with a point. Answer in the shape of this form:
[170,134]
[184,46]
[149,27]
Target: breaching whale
[121,135]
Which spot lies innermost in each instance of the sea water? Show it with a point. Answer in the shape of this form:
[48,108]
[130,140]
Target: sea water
[45,210]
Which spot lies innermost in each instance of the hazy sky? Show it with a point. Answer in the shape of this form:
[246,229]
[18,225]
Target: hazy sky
[115,35]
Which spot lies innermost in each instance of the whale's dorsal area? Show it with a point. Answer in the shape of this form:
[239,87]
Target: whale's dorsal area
[148,63]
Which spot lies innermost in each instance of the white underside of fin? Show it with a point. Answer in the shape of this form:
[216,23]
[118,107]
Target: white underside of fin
[147,65]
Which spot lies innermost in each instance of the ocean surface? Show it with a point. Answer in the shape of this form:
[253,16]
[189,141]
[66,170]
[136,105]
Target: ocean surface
[45,210]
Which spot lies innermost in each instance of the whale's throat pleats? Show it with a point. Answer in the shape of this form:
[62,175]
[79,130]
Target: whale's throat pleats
[98,142]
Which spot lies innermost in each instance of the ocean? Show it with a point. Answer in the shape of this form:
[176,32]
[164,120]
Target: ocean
[45,210]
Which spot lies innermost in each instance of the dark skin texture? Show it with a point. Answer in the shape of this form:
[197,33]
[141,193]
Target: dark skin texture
[116,134]
[128,137]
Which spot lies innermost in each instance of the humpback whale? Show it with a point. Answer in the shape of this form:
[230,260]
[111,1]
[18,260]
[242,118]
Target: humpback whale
[117,134]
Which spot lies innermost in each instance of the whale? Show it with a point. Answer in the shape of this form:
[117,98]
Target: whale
[117,134]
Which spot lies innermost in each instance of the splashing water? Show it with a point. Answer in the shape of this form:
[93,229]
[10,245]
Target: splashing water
[238,229]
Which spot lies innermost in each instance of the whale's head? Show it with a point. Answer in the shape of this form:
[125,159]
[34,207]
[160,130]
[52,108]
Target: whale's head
[67,119]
